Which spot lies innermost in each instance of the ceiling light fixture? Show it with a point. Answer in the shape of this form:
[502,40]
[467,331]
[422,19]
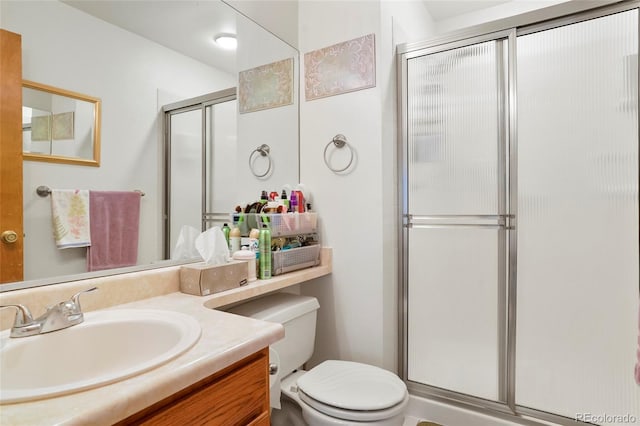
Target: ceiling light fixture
[226,41]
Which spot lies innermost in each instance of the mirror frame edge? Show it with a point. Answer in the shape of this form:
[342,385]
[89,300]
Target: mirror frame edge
[97,105]
[62,279]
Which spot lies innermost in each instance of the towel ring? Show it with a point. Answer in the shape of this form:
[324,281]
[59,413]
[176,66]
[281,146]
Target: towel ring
[263,150]
[339,141]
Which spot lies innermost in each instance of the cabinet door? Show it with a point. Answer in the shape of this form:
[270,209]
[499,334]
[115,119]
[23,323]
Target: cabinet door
[236,396]
[263,420]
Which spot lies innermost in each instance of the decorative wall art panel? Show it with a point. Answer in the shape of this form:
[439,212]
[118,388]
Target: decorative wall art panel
[266,86]
[62,126]
[341,68]
[41,128]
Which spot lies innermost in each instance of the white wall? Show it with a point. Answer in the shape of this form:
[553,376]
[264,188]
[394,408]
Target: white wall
[500,11]
[350,320]
[410,21]
[276,127]
[358,302]
[279,16]
[128,73]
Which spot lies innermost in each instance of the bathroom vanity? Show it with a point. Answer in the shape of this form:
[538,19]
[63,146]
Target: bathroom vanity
[236,395]
[222,379]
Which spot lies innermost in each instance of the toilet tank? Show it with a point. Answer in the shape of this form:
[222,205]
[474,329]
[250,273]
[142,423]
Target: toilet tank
[298,316]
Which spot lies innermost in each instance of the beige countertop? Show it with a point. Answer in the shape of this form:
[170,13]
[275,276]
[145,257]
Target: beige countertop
[225,339]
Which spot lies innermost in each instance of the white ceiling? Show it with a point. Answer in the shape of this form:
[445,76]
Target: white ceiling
[444,9]
[186,26]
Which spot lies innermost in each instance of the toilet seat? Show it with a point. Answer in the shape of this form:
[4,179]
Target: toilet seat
[353,391]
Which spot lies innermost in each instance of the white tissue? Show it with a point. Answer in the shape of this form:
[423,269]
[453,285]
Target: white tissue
[213,247]
[185,246]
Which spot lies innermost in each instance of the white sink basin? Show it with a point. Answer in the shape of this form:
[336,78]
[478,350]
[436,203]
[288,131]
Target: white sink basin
[108,346]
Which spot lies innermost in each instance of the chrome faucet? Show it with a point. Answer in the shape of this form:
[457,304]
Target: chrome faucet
[59,316]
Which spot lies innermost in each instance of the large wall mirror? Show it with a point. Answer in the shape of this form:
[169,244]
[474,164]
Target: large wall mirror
[59,126]
[138,57]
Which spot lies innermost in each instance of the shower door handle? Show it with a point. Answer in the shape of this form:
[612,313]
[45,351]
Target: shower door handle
[500,221]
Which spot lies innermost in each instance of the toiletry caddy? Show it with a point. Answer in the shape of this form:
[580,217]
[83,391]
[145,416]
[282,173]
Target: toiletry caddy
[285,226]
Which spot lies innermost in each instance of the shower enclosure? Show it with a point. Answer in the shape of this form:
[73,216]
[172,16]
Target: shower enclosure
[520,226]
[200,155]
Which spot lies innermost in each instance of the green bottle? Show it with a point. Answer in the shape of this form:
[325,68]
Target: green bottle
[226,230]
[264,247]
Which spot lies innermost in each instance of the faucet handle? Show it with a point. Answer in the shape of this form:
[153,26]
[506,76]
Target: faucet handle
[23,325]
[23,315]
[74,303]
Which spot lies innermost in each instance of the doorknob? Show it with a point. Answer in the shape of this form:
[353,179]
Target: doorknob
[9,237]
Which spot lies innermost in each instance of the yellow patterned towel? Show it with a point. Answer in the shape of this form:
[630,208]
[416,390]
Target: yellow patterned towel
[70,214]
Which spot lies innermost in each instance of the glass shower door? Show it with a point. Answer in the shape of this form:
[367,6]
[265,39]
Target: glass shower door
[221,153]
[578,219]
[455,233]
[200,153]
[185,173]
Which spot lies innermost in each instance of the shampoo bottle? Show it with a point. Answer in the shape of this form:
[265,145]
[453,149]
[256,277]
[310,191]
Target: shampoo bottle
[226,231]
[234,239]
[254,237]
[265,252]
[293,202]
[284,200]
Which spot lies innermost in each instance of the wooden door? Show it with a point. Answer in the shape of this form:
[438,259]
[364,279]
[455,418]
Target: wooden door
[11,224]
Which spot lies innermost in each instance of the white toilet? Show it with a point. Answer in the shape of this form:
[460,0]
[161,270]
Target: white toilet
[334,392]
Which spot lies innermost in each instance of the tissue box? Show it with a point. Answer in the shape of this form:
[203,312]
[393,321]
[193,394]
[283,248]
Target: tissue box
[201,279]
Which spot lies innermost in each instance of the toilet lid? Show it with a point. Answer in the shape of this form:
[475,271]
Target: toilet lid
[353,386]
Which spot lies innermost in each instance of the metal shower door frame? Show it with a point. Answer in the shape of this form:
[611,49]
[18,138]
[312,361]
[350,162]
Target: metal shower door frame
[506,29]
[501,221]
[193,104]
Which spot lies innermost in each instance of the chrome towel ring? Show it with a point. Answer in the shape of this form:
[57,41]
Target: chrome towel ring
[339,141]
[263,150]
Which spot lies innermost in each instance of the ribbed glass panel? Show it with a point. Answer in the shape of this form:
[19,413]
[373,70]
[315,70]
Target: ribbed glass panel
[453,336]
[577,277]
[221,152]
[186,172]
[453,131]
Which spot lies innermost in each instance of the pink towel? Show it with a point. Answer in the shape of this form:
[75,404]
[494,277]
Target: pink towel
[638,352]
[114,222]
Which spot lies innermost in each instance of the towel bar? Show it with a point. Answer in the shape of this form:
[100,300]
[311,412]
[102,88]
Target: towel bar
[45,191]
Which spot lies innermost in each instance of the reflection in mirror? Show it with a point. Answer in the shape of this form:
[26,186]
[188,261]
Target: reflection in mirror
[60,126]
[137,57]
[198,155]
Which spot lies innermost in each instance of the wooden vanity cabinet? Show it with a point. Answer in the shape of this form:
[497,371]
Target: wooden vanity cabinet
[235,396]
